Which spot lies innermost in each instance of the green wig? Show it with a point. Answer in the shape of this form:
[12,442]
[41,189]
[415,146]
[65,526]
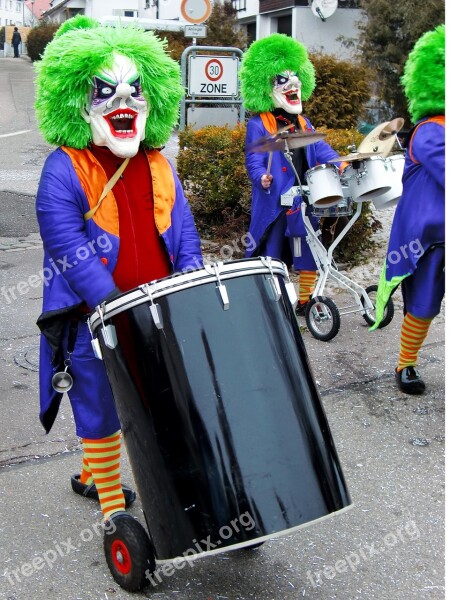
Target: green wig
[265,59]
[424,75]
[65,77]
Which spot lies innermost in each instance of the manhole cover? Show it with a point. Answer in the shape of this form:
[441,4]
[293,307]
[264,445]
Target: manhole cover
[28,358]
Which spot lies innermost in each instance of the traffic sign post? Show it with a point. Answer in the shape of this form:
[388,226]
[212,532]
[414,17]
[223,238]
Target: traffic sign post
[195,11]
[211,80]
[213,75]
[195,31]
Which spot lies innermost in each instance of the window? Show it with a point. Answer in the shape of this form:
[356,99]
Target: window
[239,5]
[18,7]
[284,24]
[120,12]
[349,4]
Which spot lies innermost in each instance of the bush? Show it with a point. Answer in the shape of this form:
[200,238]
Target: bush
[212,169]
[38,38]
[341,93]
[211,166]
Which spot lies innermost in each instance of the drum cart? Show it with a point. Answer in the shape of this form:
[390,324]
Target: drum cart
[323,317]
[223,424]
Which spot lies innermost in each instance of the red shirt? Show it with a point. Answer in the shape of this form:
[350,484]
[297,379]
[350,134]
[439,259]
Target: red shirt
[142,254]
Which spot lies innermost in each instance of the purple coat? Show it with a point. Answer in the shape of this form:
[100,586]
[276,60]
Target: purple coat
[73,270]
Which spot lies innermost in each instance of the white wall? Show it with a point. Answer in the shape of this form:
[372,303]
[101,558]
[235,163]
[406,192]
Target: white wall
[322,36]
[317,35]
[100,8]
[8,13]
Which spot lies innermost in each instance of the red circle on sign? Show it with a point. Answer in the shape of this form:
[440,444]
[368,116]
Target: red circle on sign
[201,13]
[214,76]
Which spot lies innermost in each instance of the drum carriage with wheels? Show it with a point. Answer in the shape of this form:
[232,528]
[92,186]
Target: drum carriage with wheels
[220,414]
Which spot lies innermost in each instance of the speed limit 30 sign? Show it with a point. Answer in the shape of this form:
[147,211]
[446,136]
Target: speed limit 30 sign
[213,76]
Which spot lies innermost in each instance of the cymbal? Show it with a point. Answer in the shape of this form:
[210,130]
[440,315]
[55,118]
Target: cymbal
[279,141]
[392,128]
[353,156]
[382,138]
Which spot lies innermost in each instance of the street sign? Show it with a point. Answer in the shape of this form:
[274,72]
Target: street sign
[195,11]
[195,31]
[213,75]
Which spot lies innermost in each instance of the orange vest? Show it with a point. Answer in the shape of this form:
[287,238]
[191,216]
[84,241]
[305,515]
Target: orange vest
[93,180]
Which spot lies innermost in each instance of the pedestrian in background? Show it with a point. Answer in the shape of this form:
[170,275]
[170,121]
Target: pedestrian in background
[16,41]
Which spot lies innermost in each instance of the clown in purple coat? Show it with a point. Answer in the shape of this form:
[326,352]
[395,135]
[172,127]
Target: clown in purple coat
[112,216]
[416,254]
[276,75]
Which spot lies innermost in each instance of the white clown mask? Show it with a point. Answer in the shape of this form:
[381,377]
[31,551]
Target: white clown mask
[117,111]
[286,93]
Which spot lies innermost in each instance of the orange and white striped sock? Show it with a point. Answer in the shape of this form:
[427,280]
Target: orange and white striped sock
[103,457]
[306,283]
[413,332]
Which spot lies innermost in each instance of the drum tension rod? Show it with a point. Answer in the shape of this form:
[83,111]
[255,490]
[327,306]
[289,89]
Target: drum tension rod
[273,281]
[108,331]
[95,343]
[220,286]
[155,309]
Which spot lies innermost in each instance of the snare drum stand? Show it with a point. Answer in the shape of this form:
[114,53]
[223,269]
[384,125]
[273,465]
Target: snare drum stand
[322,315]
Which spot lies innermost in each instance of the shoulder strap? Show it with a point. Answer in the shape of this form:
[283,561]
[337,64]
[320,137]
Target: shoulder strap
[108,187]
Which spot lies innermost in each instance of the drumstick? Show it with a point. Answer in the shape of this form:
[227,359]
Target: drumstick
[269,163]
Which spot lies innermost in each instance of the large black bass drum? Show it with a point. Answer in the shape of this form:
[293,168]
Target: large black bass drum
[225,431]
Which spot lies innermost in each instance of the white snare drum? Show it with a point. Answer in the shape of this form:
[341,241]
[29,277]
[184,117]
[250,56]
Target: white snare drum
[369,179]
[396,165]
[343,209]
[324,186]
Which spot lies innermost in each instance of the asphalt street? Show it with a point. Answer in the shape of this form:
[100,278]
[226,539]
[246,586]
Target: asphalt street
[388,546]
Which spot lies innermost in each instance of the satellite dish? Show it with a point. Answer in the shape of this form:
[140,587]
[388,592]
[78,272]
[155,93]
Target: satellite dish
[324,8]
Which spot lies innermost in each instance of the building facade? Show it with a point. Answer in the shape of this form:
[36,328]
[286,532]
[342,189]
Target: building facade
[258,18]
[12,12]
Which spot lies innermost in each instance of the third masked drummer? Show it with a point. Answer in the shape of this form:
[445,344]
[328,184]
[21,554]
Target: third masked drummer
[276,75]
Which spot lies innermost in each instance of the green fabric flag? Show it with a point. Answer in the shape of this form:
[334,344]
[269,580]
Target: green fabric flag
[384,292]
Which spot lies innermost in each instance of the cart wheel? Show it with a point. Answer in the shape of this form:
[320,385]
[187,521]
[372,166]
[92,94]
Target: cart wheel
[369,315]
[322,318]
[129,553]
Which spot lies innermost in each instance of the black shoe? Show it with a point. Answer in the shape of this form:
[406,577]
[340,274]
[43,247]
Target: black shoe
[409,381]
[90,491]
[300,309]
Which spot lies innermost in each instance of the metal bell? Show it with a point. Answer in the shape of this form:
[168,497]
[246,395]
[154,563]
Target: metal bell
[62,381]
